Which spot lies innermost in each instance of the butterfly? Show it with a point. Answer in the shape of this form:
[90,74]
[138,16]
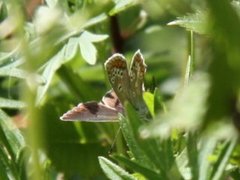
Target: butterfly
[127,85]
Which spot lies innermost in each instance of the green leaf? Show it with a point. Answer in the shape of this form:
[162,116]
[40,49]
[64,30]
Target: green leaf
[88,50]
[51,67]
[95,20]
[121,5]
[5,162]
[148,173]
[195,22]
[11,142]
[9,103]
[159,153]
[14,138]
[182,163]
[219,166]
[93,37]
[192,152]
[19,73]
[208,145]
[138,153]
[149,100]
[71,48]
[23,160]
[114,171]
[3,11]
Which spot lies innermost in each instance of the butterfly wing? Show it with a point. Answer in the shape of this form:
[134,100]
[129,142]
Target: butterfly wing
[116,67]
[91,112]
[136,74]
[111,100]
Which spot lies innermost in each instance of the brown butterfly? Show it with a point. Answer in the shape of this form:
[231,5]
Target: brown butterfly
[127,86]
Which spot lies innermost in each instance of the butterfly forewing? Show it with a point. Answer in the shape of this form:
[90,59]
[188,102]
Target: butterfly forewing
[117,71]
[91,111]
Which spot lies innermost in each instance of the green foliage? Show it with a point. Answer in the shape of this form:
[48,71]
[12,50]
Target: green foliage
[52,56]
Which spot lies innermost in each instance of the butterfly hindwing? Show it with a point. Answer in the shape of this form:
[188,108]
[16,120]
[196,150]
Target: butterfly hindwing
[110,99]
[136,74]
[92,112]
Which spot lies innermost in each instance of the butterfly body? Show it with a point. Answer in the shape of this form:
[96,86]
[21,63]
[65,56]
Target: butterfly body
[127,86]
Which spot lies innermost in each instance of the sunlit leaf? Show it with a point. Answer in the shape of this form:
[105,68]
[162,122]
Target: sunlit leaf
[182,163]
[95,20]
[148,173]
[122,5]
[71,48]
[48,73]
[129,136]
[219,166]
[114,171]
[10,103]
[10,71]
[195,22]
[88,50]
[207,147]
[149,100]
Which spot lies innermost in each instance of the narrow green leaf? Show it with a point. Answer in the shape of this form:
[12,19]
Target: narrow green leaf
[11,141]
[182,163]
[5,175]
[192,153]
[219,166]
[14,138]
[114,171]
[95,20]
[9,103]
[19,73]
[23,160]
[51,67]
[139,155]
[148,173]
[207,147]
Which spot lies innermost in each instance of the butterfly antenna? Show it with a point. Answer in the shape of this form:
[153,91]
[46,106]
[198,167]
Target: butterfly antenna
[114,141]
